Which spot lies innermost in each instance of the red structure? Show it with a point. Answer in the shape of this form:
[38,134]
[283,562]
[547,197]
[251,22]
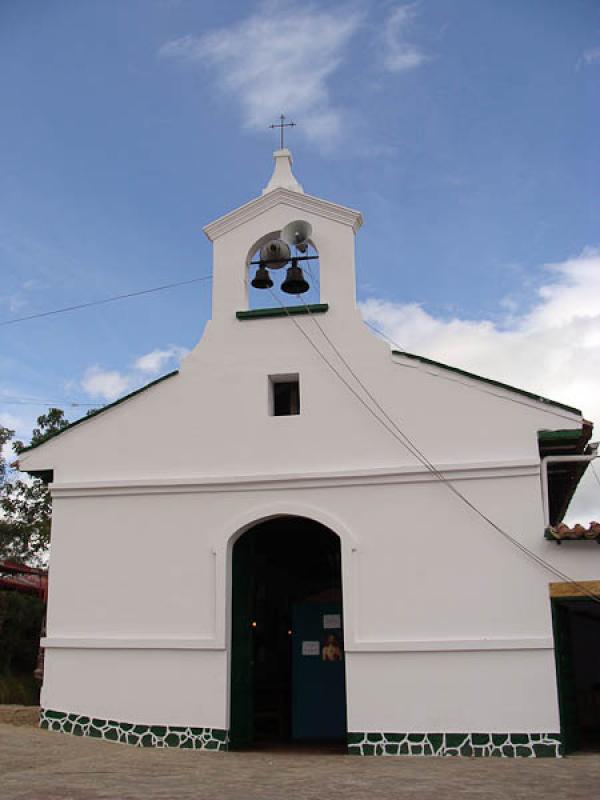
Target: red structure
[20,578]
[29,580]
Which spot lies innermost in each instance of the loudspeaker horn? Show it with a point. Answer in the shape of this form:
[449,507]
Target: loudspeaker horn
[297,233]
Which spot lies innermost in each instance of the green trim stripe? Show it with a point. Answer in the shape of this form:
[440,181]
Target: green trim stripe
[500,745]
[137,735]
[490,381]
[291,311]
[569,436]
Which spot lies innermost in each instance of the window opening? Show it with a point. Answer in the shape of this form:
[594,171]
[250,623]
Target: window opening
[284,391]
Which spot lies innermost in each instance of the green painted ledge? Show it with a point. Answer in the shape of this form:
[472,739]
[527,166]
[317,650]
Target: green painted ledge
[286,311]
[570,436]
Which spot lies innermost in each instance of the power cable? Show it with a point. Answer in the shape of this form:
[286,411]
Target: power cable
[449,378]
[105,300]
[415,451]
[52,403]
[324,358]
[368,324]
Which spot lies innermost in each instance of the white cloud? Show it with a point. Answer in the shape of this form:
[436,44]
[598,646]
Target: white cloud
[104,384]
[21,425]
[279,60]
[553,349]
[108,385]
[592,56]
[397,53]
[13,422]
[153,362]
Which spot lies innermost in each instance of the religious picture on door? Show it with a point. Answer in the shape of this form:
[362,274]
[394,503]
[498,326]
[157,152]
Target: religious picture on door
[332,650]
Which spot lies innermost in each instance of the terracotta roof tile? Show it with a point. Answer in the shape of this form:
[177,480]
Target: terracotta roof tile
[562,531]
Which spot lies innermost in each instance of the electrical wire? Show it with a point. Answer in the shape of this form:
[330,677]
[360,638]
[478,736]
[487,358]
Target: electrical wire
[417,453]
[449,378]
[392,427]
[376,330]
[50,403]
[104,300]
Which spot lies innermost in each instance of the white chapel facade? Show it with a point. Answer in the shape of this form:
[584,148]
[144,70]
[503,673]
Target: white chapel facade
[257,547]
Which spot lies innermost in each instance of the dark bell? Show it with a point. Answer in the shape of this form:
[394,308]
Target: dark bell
[262,279]
[294,282]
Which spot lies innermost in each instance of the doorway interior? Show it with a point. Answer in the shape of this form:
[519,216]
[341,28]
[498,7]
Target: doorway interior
[287,654]
[577,647]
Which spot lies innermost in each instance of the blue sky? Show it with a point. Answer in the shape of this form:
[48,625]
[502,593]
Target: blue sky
[466,131]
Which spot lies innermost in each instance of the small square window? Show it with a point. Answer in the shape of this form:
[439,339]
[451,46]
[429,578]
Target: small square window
[284,395]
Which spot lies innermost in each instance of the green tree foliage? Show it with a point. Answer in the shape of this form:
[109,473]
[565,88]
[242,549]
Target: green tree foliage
[20,622]
[25,505]
[21,618]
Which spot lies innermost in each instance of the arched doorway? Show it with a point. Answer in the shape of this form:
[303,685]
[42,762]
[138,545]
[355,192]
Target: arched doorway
[287,653]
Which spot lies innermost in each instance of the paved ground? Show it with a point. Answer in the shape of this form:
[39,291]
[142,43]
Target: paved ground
[20,715]
[44,765]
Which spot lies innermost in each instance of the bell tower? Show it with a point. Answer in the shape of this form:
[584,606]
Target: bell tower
[286,228]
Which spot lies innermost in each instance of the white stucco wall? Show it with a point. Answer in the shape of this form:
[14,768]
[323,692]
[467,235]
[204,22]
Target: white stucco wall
[432,600]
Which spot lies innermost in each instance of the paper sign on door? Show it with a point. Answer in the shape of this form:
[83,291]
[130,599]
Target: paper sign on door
[311,648]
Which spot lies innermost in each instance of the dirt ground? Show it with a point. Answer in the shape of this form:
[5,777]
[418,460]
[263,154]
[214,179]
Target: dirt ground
[44,765]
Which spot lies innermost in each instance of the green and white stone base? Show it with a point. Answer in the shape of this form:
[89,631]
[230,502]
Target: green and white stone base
[136,735]
[503,745]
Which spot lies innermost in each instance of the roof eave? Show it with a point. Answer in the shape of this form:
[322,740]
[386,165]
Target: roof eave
[301,202]
[564,477]
[498,384]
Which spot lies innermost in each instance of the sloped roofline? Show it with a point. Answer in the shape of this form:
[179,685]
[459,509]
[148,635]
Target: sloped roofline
[506,386]
[99,411]
[301,202]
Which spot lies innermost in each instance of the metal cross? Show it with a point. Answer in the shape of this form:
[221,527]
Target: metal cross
[281,125]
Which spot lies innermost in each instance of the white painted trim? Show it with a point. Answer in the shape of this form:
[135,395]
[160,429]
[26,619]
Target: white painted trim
[450,645]
[305,480]
[129,643]
[225,539]
[300,202]
[362,646]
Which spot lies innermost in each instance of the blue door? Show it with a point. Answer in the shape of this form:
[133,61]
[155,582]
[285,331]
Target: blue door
[318,672]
